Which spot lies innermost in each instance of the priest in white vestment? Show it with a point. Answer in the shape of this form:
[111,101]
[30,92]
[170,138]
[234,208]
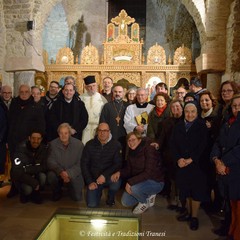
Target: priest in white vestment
[94,102]
[136,115]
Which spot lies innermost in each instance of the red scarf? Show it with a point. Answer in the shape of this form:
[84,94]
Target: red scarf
[159,110]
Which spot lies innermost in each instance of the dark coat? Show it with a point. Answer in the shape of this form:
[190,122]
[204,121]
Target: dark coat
[28,162]
[143,163]
[108,115]
[227,148]
[154,120]
[3,125]
[74,113]
[24,117]
[98,159]
[190,144]
[164,141]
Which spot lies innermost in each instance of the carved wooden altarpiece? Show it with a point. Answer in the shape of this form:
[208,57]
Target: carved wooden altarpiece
[122,59]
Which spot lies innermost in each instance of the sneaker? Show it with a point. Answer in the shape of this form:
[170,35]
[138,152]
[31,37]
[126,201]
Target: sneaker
[140,208]
[151,200]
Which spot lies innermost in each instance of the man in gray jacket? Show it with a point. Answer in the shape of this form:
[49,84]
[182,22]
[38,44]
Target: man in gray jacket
[64,164]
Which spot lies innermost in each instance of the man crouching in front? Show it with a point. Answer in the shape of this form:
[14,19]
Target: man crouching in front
[29,168]
[64,164]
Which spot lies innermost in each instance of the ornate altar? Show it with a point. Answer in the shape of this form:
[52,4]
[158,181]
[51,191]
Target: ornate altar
[122,59]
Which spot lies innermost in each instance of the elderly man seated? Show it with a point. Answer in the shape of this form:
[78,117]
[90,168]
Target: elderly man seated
[101,158]
[64,164]
[29,167]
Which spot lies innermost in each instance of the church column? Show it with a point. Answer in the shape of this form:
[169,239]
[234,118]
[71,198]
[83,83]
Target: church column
[213,83]
[23,77]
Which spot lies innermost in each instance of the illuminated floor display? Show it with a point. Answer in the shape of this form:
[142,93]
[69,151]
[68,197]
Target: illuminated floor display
[91,224]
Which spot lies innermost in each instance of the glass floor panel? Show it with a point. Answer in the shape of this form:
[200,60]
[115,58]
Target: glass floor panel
[91,224]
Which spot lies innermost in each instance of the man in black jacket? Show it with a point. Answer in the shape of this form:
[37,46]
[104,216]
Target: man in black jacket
[68,109]
[29,167]
[101,158]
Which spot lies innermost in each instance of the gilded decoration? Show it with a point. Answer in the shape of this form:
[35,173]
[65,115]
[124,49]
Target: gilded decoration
[182,56]
[122,49]
[122,59]
[65,56]
[90,55]
[156,55]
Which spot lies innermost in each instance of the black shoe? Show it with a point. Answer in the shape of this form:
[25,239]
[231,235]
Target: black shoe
[172,207]
[13,191]
[36,197]
[194,224]
[24,198]
[56,196]
[181,210]
[184,217]
[110,202]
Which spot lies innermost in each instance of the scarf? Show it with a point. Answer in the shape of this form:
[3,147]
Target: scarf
[159,110]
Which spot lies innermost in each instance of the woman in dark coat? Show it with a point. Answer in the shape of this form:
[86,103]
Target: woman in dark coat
[160,112]
[226,155]
[143,174]
[189,139]
[164,144]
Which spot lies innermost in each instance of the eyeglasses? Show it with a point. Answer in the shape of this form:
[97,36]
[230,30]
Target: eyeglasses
[227,91]
[103,130]
[6,92]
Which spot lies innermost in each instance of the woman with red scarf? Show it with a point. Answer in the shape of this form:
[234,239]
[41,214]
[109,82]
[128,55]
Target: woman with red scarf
[160,112]
[226,156]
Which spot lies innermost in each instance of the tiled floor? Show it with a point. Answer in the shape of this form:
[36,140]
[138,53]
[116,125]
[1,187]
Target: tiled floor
[24,221]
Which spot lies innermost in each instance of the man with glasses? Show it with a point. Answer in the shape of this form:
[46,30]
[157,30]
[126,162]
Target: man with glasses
[52,94]
[101,158]
[6,96]
[180,93]
[136,115]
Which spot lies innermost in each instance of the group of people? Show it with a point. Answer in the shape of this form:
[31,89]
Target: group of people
[187,145]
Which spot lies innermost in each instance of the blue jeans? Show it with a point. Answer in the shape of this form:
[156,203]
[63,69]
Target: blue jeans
[94,196]
[140,192]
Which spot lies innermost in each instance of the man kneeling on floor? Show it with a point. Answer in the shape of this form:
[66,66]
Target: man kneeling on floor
[29,168]
[64,164]
[101,158]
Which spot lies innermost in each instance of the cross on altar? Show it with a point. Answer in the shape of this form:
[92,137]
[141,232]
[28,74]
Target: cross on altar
[122,20]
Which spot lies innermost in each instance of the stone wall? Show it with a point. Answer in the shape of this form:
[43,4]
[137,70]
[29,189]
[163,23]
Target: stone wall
[170,25]
[75,24]
[233,44]
[55,32]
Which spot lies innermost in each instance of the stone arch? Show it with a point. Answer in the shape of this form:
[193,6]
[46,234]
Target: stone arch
[196,8]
